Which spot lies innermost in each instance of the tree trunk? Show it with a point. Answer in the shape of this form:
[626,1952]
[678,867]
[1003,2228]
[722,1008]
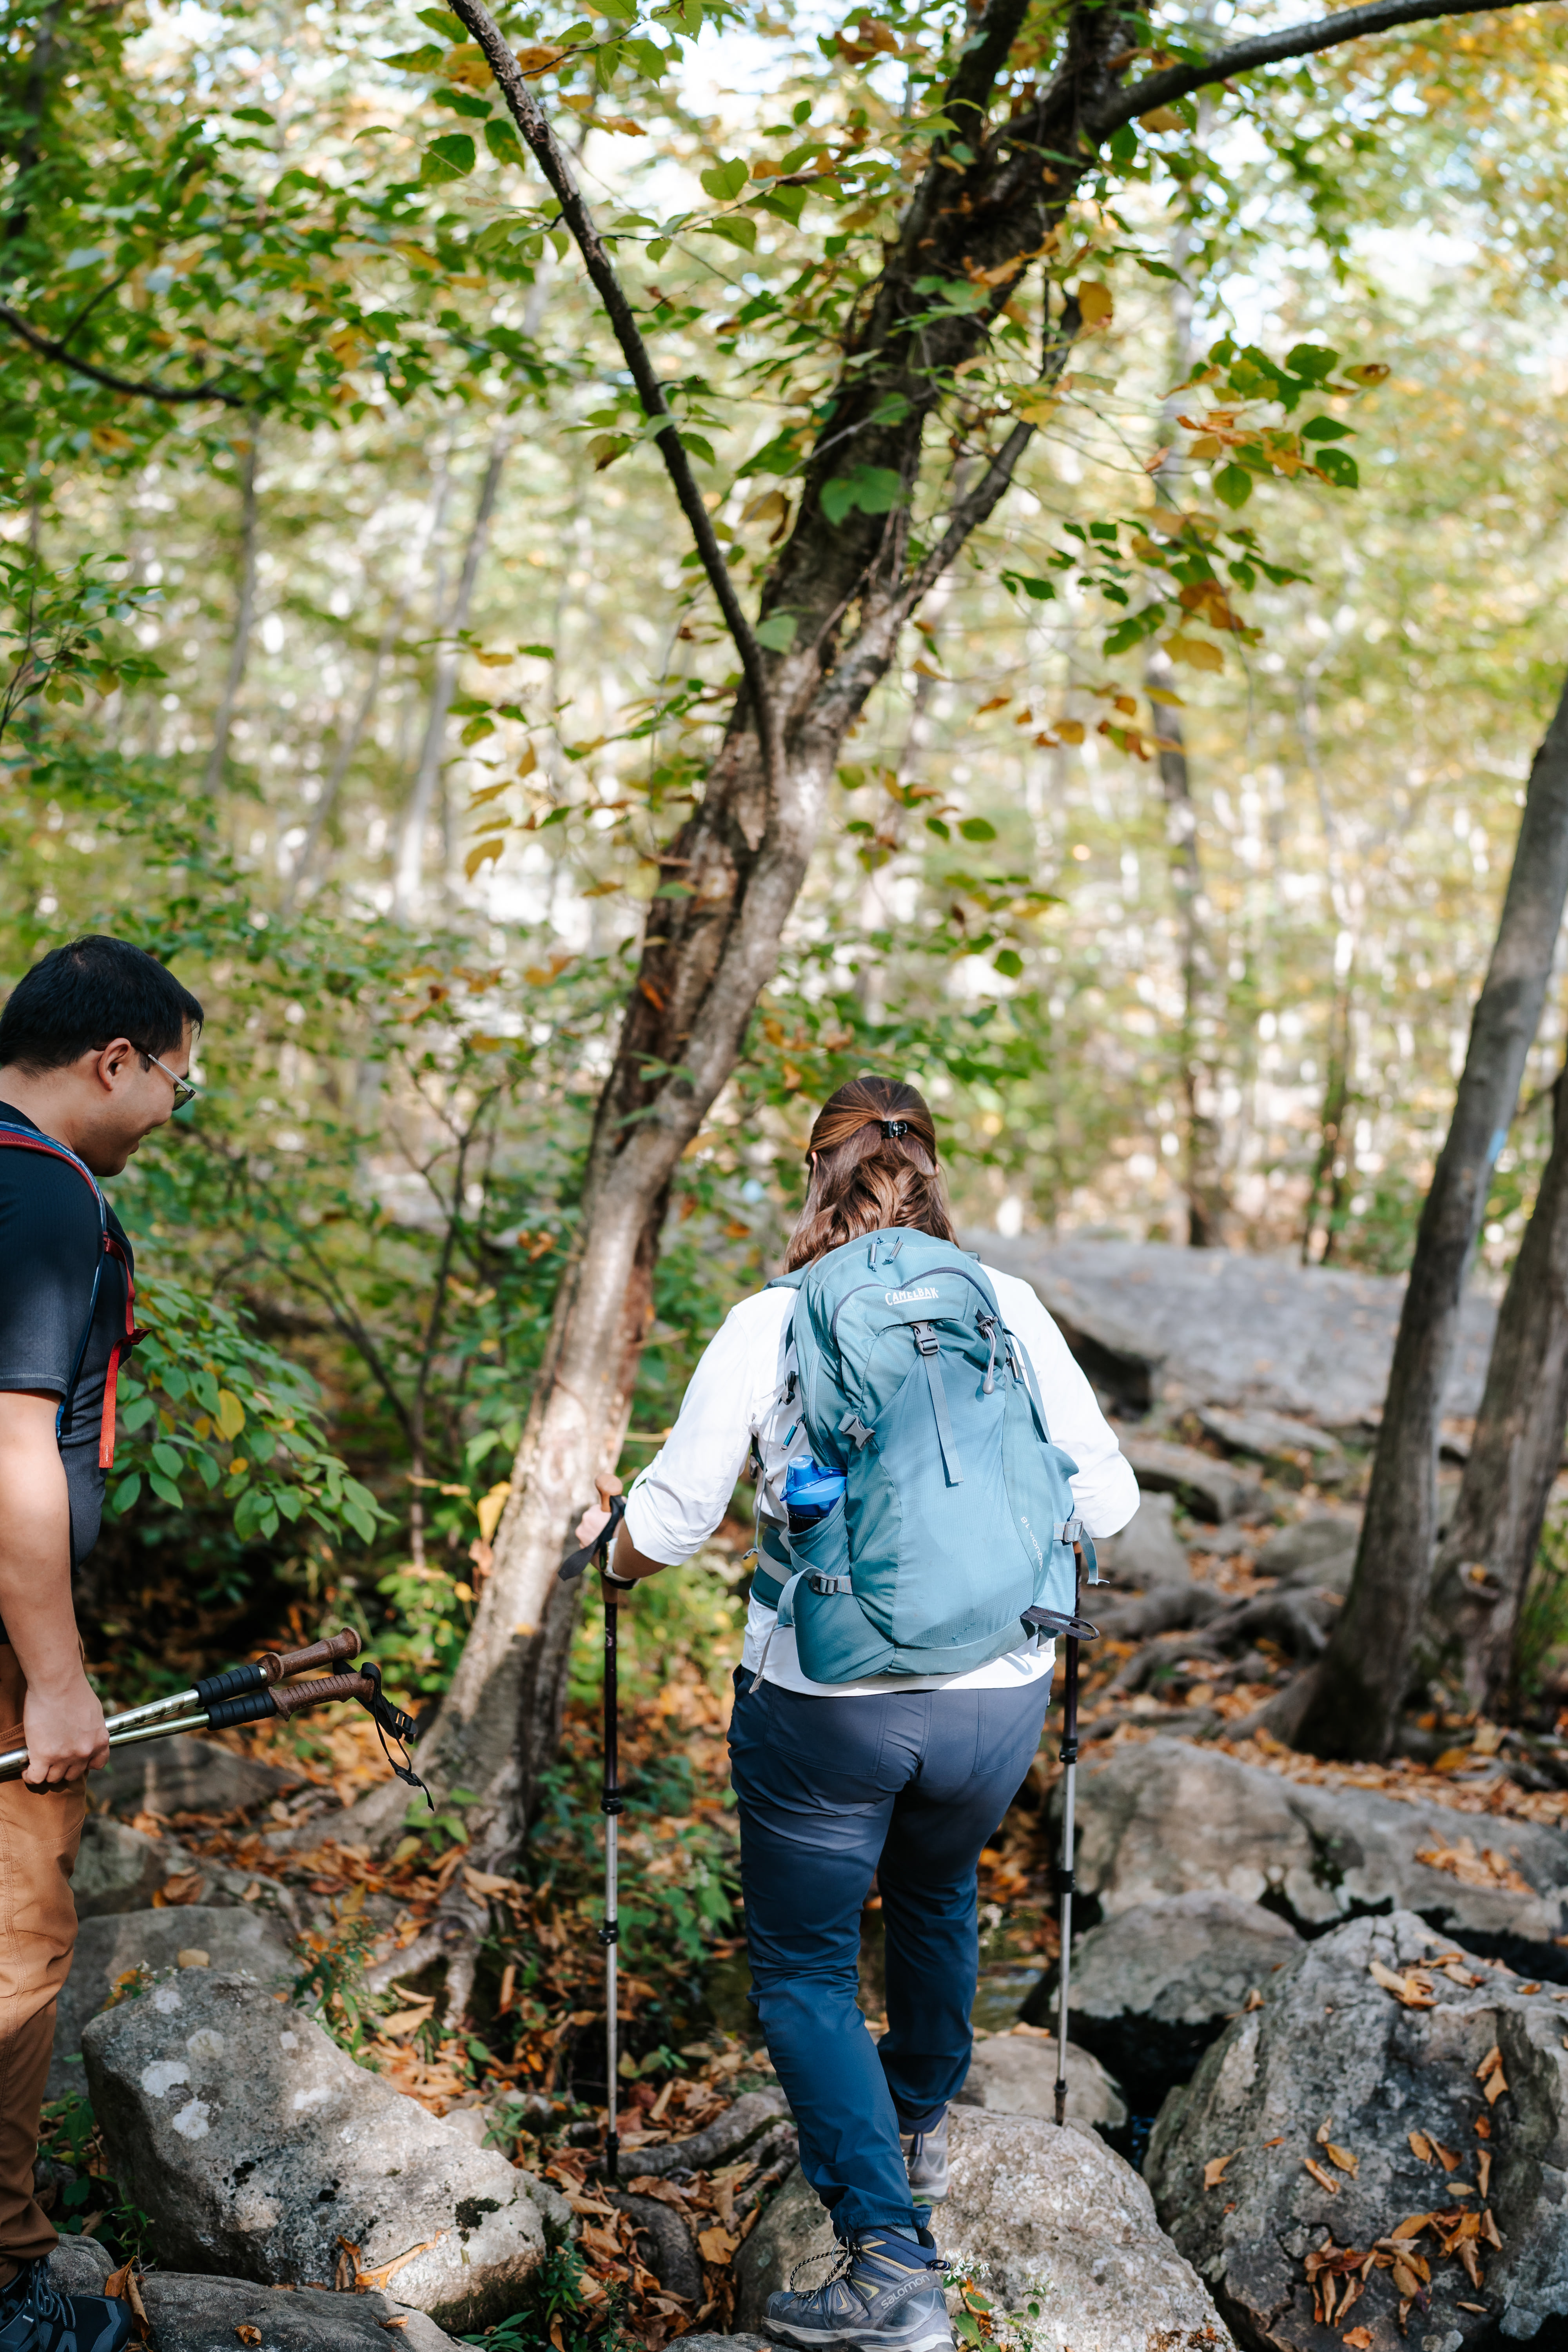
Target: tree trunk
[1352,1702]
[1208,1206]
[448,659]
[240,647]
[1483,1567]
[391,626]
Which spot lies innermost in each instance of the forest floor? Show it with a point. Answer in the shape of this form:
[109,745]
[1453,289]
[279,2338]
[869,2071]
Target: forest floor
[530,2053]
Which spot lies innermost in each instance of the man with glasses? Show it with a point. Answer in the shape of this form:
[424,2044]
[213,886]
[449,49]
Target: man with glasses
[95,1043]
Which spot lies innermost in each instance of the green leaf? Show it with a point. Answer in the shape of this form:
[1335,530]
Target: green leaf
[977,828]
[1123,145]
[168,1460]
[736,226]
[777,632]
[787,203]
[422,61]
[1009,962]
[447,158]
[254,114]
[1029,584]
[507,148]
[870,489]
[1325,428]
[125,1494]
[1233,486]
[164,1489]
[1339,468]
[442,21]
[724,181]
[1315,361]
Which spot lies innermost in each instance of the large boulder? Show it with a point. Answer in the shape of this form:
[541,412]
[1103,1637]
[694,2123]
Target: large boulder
[1036,2216]
[207,2314]
[1316,1551]
[1152,1322]
[1370,2137]
[1162,1817]
[1211,1488]
[190,1935]
[121,1869]
[1148,1553]
[188,1775]
[262,2151]
[1150,1988]
[1015,2074]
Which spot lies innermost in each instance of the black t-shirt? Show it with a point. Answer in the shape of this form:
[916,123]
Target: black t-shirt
[49,1249]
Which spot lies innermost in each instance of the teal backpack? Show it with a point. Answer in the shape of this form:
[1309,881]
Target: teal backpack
[952,1539]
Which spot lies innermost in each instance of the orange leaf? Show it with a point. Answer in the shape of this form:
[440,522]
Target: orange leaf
[1358,2338]
[1095,304]
[1420,2146]
[1324,2180]
[1214,2170]
[1341,2158]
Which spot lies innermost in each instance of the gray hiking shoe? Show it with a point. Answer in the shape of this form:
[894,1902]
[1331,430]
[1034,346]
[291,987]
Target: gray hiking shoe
[925,2153]
[884,2295]
[35,2318]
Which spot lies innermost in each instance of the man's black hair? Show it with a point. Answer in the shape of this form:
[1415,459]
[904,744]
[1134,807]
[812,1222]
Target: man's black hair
[87,993]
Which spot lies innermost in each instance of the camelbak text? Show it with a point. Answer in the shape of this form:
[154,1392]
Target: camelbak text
[907,1297]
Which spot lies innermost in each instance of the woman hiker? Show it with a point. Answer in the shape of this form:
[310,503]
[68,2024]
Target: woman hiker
[910,1409]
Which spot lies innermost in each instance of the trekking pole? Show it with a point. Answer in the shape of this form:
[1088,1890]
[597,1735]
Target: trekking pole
[249,1693]
[609,1802]
[1074,1630]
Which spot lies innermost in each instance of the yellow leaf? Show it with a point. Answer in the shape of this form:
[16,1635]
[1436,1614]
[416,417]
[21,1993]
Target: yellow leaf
[1071,730]
[230,1414]
[1160,118]
[485,1882]
[1420,2146]
[1196,652]
[1035,408]
[482,854]
[715,2245]
[490,792]
[540,60]
[1094,303]
[997,702]
[1373,371]
[1205,446]
[528,762]
[1341,2158]
[109,439]
[466,64]
[490,1509]
[621,122]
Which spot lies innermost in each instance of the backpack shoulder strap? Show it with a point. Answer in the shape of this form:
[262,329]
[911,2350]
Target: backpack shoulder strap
[26,1139]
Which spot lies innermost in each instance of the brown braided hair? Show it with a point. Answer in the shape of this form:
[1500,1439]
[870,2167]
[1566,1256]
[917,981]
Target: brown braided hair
[874,1146]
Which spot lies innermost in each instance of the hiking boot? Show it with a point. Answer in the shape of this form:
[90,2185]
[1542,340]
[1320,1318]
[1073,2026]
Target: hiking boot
[35,2318]
[884,2295]
[925,2153]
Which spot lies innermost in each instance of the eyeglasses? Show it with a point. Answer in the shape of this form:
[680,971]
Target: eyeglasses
[183,1090]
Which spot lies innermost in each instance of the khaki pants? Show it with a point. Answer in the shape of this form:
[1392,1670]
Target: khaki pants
[38,1840]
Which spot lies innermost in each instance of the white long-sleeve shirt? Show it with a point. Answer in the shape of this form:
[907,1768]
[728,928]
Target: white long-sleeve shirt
[676,1504]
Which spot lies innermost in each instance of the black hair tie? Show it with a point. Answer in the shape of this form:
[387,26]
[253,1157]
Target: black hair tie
[894,1127]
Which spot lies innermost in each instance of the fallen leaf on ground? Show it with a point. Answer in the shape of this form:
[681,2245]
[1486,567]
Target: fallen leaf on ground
[1214,2170]
[247,2334]
[1410,2228]
[715,2245]
[1490,2231]
[1358,2338]
[1413,1988]
[1446,2156]
[1324,2180]
[1420,2146]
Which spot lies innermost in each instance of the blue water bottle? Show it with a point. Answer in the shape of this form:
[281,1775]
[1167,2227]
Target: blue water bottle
[810,1493]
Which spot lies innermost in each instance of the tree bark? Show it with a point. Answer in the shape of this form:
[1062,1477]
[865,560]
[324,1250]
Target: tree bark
[448,658]
[245,614]
[1484,1564]
[1352,1705]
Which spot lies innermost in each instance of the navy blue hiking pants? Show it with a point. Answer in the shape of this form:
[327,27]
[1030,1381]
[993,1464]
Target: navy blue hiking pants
[909,1784]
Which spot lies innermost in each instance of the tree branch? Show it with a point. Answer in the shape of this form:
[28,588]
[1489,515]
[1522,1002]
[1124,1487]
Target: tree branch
[531,123]
[1271,48]
[172,393]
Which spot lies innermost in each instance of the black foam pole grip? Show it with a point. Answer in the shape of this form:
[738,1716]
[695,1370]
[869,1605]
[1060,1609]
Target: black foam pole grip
[229,1713]
[237,1680]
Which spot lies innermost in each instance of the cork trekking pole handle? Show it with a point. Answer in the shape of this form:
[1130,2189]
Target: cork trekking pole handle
[299,1695]
[276,1666]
